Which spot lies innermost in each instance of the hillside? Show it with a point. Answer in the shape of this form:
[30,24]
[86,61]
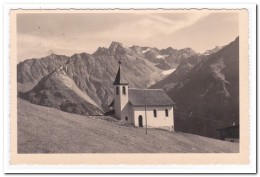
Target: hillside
[207,94]
[48,130]
[58,90]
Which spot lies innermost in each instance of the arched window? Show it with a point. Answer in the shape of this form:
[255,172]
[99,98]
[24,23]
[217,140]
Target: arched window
[154,113]
[117,90]
[166,112]
[124,91]
[126,118]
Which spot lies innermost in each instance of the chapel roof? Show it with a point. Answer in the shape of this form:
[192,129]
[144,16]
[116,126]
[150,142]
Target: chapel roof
[154,97]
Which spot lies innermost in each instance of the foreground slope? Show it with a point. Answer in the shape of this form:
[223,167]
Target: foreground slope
[48,130]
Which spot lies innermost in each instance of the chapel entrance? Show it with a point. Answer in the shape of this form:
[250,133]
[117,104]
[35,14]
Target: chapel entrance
[140,121]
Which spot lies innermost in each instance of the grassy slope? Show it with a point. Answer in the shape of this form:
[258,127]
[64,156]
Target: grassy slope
[47,130]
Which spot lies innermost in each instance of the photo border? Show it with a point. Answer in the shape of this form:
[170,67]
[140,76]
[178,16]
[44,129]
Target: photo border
[9,167]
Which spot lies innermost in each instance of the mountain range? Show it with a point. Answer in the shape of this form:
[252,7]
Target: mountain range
[82,83]
[92,74]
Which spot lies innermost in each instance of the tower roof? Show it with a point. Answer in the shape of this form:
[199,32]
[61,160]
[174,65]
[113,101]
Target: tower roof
[120,80]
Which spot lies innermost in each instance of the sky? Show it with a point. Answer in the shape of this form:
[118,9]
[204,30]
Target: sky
[39,34]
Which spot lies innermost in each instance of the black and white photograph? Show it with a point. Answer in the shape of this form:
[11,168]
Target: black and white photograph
[129,86]
[128,82]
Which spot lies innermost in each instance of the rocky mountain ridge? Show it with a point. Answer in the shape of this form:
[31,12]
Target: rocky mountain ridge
[92,74]
[213,50]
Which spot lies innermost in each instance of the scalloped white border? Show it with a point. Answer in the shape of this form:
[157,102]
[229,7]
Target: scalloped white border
[124,168]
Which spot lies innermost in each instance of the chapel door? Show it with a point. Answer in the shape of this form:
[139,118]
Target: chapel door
[140,121]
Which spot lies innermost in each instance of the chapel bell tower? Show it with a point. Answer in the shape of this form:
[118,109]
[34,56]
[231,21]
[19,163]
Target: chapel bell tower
[120,94]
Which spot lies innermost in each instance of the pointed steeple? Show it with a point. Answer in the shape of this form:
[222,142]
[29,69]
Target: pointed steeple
[119,80]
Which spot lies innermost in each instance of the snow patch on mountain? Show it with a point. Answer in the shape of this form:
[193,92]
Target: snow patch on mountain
[126,47]
[162,56]
[146,50]
[213,50]
[169,71]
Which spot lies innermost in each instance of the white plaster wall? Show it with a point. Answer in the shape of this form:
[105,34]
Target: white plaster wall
[126,112]
[131,114]
[160,121]
[121,101]
[117,103]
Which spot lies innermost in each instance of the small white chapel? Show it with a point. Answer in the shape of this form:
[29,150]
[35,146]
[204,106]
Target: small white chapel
[141,107]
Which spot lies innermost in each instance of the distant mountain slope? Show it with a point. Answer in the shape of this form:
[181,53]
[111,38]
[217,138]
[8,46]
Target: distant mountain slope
[206,94]
[184,67]
[59,91]
[48,130]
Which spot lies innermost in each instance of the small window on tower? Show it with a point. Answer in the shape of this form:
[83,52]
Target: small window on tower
[124,91]
[117,90]
[126,118]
